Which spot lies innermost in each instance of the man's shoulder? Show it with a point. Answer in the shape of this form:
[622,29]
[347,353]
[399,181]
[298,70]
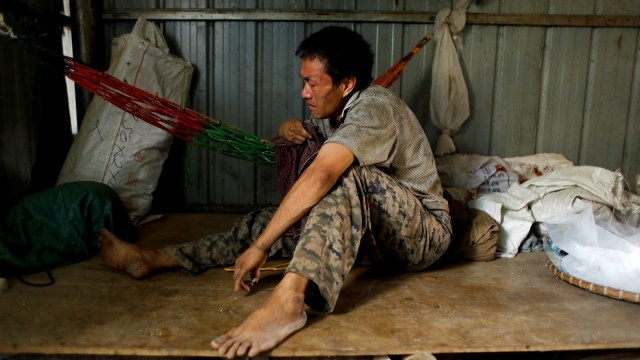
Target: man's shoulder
[376,90]
[379,94]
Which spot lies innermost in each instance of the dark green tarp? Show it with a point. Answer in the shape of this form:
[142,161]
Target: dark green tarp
[60,226]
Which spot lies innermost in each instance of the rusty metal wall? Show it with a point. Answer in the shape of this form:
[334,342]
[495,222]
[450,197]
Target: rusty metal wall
[564,89]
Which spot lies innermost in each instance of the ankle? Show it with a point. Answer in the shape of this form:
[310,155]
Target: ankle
[159,259]
[294,283]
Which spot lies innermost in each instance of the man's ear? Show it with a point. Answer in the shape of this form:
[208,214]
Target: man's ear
[349,84]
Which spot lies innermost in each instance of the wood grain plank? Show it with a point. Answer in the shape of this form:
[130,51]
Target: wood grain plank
[460,307]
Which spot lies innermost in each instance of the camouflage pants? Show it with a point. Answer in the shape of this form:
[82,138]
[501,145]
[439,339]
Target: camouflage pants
[222,249]
[366,213]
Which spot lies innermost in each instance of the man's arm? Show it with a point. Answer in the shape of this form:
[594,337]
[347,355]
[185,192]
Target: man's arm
[314,183]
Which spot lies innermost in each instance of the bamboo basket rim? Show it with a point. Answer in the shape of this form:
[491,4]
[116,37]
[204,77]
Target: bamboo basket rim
[592,287]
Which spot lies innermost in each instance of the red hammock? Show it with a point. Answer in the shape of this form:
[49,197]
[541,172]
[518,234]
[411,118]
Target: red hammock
[390,76]
[187,124]
[181,122]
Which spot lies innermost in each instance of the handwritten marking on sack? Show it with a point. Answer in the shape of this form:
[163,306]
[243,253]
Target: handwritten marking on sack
[113,177]
[118,152]
[97,129]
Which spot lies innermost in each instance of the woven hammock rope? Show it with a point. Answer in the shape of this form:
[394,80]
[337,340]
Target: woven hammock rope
[179,121]
[185,123]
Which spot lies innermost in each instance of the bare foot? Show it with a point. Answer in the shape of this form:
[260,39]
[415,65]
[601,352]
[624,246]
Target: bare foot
[131,259]
[282,315]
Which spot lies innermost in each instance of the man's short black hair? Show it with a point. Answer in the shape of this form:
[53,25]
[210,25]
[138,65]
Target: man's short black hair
[344,52]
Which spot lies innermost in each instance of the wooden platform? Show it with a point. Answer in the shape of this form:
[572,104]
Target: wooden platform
[502,306]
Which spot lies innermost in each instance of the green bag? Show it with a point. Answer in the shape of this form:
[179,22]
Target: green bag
[60,226]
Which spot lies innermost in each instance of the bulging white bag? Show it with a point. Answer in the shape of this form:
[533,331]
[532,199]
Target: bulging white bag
[114,147]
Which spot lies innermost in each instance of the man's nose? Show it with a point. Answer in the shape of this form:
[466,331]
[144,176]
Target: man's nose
[306,94]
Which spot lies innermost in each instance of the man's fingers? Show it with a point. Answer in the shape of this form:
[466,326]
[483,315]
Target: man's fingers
[299,138]
[246,285]
[237,286]
[255,276]
[303,132]
[240,283]
[241,286]
[297,133]
[238,277]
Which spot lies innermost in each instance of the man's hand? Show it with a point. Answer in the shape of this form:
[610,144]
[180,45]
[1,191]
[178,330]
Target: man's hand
[293,130]
[248,263]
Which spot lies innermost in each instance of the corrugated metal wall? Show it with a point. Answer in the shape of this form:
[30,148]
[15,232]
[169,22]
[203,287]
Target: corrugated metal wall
[534,89]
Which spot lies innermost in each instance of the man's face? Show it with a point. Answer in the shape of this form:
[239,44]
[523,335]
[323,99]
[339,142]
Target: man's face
[323,98]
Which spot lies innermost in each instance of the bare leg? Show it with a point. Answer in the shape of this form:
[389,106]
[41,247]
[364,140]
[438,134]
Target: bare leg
[282,315]
[131,259]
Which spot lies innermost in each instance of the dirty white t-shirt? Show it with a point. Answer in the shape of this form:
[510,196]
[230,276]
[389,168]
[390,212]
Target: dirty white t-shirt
[382,131]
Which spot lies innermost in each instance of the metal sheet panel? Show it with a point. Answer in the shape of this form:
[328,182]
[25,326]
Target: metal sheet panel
[631,153]
[562,99]
[515,111]
[478,61]
[566,89]
[608,94]
[415,84]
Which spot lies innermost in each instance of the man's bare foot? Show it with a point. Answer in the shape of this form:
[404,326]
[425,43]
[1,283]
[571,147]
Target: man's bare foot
[131,259]
[282,315]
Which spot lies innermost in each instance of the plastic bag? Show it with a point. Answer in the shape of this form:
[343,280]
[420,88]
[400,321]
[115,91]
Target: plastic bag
[606,253]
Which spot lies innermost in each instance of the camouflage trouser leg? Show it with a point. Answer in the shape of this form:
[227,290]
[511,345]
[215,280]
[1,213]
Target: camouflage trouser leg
[367,206]
[223,248]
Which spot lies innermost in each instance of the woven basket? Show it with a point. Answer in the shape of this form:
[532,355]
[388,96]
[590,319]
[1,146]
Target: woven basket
[595,288]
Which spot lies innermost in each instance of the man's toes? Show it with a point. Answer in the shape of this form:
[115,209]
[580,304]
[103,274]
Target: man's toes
[225,346]
[215,343]
[254,351]
[233,350]
[242,349]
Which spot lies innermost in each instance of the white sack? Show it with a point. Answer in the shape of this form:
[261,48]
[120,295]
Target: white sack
[531,166]
[476,174]
[511,211]
[112,146]
[449,96]
[562,191]
[607,186]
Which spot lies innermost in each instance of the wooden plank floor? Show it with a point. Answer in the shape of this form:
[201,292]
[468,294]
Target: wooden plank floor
[508,305]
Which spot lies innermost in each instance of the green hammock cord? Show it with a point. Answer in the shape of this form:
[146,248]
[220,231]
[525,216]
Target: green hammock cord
[231,141]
